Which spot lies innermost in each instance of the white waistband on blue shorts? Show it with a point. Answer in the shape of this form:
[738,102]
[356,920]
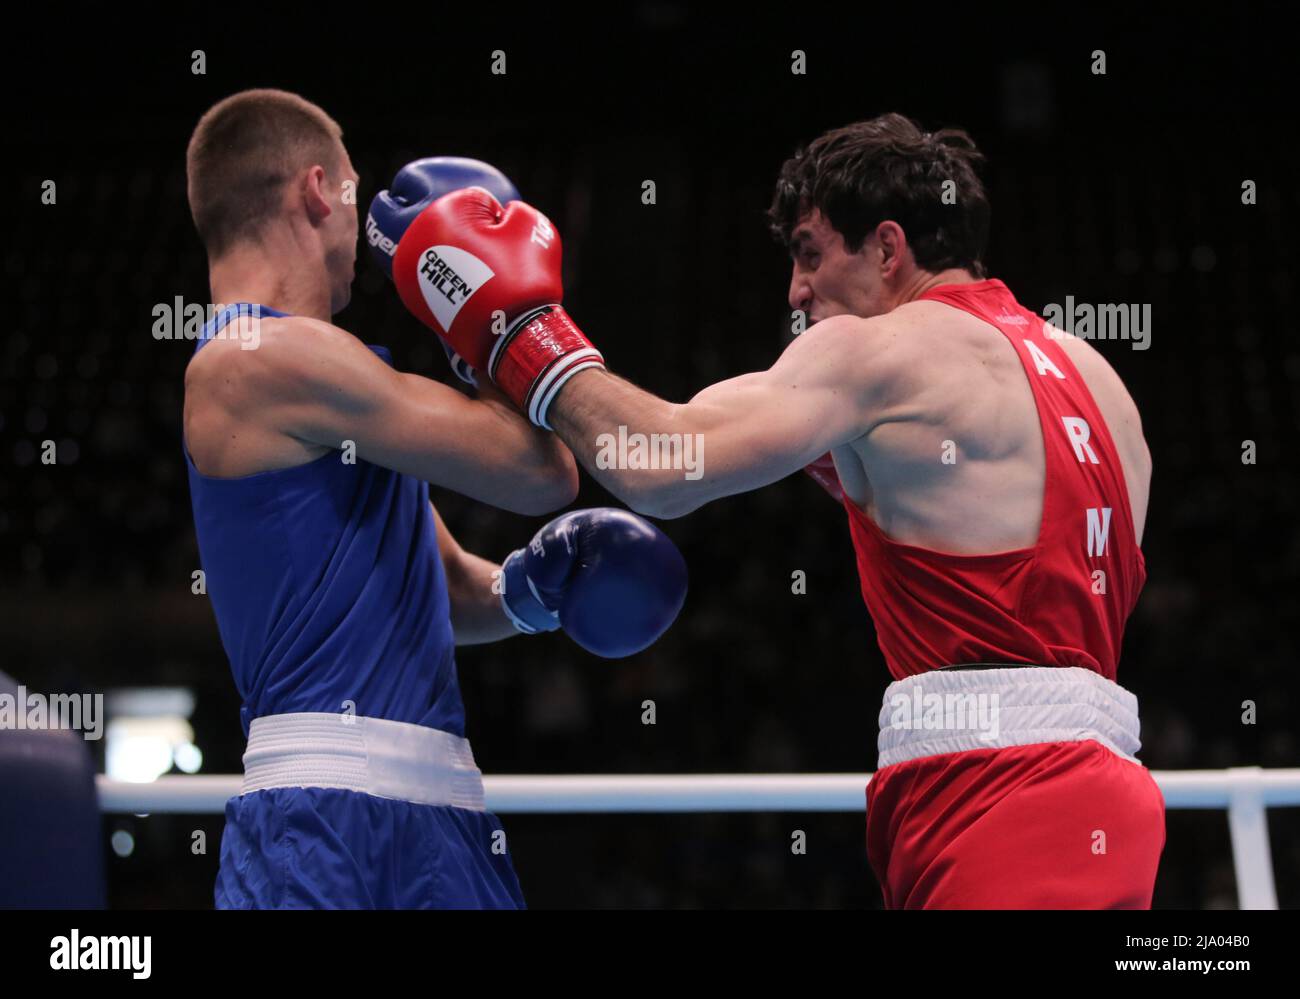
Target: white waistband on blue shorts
[387,759]
[953,711]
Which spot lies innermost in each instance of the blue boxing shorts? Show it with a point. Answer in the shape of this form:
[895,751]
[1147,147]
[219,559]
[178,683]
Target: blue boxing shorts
[345,812]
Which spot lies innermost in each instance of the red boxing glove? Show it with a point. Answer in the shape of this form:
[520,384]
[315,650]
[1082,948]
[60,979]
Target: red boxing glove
[464,263]
[823,472]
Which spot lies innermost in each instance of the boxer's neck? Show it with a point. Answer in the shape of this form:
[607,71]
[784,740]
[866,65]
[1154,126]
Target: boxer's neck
[923,281]
[258,273]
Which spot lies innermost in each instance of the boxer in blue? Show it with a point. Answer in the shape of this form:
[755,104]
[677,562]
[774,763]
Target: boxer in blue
[338,591]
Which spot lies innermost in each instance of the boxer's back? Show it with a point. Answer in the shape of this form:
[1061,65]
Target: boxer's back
[1020,549]
[991,509]
[957,378]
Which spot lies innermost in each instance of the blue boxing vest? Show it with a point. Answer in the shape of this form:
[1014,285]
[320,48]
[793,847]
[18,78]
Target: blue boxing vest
[328,587]
[330,595]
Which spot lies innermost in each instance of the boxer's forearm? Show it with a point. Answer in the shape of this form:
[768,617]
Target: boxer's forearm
[665,459]
[547,475]
[596,409]
[473,592]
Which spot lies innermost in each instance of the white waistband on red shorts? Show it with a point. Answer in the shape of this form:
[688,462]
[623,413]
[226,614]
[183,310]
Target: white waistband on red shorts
[953,711]
[387,759]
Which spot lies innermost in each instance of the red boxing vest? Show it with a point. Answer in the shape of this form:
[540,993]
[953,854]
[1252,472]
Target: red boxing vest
[1062,602]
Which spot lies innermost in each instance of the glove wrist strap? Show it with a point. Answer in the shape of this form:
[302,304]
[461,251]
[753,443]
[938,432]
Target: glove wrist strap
[540,351]
[520,601]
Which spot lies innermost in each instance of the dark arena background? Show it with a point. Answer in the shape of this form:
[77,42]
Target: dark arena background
[1167,180]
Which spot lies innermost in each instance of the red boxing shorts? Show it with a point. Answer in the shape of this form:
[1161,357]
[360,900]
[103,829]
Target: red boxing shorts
[1013,788]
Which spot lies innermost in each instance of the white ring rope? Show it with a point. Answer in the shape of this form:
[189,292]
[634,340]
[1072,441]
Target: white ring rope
[1245,792]
[692,792]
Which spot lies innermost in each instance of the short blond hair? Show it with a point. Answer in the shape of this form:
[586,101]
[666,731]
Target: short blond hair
[243,151]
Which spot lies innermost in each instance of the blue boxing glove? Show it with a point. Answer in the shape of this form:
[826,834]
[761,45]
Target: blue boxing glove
[612,581]
[416,186]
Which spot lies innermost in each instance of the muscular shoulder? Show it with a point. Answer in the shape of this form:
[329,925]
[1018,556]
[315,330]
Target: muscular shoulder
[1111,396]
[851,348]
[1094,367]
[900,336]
[261,360]
[888,357]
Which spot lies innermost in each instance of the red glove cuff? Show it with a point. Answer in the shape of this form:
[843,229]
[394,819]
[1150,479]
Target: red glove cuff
[540,351]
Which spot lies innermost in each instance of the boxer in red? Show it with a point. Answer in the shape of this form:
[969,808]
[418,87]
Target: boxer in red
[993,473]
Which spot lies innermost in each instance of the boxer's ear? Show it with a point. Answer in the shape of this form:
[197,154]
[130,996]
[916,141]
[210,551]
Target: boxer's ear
[315,199]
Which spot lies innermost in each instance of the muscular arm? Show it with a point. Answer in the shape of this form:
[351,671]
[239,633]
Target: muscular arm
[754,429]
[476,614]
[315,382]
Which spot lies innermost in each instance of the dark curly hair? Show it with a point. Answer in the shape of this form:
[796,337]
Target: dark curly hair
[888,168]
